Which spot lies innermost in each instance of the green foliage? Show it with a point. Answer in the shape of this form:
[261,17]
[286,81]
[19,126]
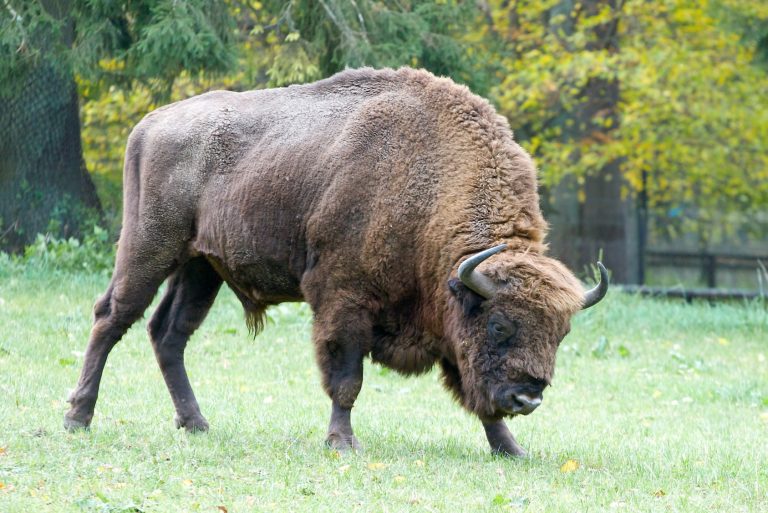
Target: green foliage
[748,19]
[691,121]
[28,35]
[689,127]
[108,42]
[307,40]
[95,253]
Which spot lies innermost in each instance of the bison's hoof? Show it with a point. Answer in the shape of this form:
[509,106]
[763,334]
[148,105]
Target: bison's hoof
[192,424]
[510,451]
[342,443]
[72,423]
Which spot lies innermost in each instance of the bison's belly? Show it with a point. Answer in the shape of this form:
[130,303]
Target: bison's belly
[267,281]
[259,255]
[261,281]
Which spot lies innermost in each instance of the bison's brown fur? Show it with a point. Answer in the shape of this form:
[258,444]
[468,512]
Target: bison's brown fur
[360,194]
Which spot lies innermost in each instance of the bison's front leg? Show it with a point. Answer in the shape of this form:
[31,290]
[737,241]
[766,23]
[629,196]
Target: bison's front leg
[189,296]
[342,338]
[501,439]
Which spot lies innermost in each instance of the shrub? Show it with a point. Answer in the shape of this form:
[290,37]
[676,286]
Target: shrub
[95,253]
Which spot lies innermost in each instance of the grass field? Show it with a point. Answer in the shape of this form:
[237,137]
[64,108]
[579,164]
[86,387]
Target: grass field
[656,406]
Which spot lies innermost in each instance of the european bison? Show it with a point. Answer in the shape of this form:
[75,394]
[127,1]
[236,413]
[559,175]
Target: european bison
[373,195]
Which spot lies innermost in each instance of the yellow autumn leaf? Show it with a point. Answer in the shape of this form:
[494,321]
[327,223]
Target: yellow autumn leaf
[399,479]
[187,482]
[418,463]
[376,465]
[723,341]
[569,466]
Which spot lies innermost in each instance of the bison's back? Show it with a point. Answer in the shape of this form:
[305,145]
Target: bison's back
[263,182]
[344,174]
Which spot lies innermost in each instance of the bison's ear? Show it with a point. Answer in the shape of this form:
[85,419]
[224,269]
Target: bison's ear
[469,299]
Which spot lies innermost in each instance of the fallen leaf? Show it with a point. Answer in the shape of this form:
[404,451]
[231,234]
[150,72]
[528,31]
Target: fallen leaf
[418,463]
[3,450]
[659,493]
[499,500]
[569,466]
[223,509]
[723,341]
[187,482]
[376,465]
[2,485]
[399,479]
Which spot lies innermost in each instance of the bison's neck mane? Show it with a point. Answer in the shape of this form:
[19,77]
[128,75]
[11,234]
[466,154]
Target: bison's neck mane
[483,188]
[488,187]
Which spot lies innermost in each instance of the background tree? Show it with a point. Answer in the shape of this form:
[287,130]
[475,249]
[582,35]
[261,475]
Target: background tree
[126,55]
[627,106]
[685,135]
[44,44]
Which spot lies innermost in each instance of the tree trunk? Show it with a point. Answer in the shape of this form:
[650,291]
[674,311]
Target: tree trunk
[603,222]
[44,185]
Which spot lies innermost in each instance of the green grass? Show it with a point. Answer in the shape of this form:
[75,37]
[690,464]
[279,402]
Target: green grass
[663,405]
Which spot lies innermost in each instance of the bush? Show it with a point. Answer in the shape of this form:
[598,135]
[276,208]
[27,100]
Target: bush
[95,253]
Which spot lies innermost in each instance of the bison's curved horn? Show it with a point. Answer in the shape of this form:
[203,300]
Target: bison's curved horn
[476,280]
[594,295]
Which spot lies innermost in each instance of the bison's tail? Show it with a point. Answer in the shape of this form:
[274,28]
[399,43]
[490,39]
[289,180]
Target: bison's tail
[132,179]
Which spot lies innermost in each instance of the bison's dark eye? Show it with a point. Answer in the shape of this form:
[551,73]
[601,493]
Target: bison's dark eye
[502,331]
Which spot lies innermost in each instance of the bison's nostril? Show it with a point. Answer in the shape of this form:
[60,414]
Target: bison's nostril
[525,404]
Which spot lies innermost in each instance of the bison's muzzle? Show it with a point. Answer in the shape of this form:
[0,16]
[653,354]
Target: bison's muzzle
[518,399]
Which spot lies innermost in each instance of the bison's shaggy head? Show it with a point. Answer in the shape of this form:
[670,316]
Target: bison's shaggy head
[505,325]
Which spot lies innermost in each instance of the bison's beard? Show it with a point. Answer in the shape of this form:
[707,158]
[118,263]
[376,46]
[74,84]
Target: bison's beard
[474,397]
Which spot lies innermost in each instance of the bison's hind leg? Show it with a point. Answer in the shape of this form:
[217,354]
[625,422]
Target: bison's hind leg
[128,295]
[191,292]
